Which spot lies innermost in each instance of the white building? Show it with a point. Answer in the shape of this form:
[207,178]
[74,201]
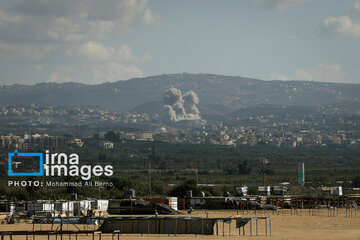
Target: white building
[107,145]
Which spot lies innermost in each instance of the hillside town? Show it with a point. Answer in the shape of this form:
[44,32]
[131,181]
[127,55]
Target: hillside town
[328,126]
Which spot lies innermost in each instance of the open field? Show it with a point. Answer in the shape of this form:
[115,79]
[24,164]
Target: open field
[284,226]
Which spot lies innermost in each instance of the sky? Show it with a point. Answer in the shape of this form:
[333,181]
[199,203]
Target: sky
[93,41]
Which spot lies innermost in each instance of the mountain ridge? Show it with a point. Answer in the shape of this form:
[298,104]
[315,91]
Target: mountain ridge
[232,92]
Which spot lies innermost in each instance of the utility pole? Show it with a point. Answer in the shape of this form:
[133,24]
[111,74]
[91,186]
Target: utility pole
[99,188]
[197,177]
[149,157]
[150,175]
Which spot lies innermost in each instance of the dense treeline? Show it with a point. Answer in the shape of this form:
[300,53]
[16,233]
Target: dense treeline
[176,167]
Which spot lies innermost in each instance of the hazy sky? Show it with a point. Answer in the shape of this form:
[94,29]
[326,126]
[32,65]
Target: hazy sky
[97,41]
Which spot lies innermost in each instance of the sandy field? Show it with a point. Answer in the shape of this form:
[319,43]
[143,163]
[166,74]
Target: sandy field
[284,225]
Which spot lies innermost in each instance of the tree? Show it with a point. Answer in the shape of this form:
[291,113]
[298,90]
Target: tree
[121,183]
[180,190]
[243,168]
[112,136]
[356,182]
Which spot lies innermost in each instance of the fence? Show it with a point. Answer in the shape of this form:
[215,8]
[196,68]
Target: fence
[172,226]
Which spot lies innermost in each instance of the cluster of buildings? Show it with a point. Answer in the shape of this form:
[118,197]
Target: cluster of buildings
[35,141]
[89,207]
[325,126]
[115,135]
[142,135]
[223,134]
[45,141]
[51,115]
[55,208]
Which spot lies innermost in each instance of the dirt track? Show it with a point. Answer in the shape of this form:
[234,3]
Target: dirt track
[284,226]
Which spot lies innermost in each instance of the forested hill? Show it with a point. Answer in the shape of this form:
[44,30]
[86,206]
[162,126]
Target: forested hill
[212,90]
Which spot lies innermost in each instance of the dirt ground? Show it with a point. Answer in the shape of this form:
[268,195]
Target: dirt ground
[285,224]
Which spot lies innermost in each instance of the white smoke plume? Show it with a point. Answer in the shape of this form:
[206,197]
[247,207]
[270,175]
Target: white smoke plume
[181,107]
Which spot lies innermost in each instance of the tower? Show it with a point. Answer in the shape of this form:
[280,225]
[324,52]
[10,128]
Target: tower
[301,174]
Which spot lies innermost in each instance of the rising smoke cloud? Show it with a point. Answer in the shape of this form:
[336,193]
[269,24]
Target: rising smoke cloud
[181,106]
